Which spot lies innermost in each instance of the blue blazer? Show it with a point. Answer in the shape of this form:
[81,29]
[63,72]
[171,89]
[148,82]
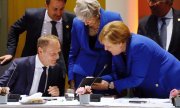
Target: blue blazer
[82,60]
[148,67]
[20,75]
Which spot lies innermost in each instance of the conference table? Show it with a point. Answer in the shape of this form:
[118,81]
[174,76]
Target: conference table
[105,102]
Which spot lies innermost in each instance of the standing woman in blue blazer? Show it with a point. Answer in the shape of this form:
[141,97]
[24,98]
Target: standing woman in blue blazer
[87,56]
[140,62]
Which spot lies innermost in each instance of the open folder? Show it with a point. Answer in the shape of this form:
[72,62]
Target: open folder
[88,81]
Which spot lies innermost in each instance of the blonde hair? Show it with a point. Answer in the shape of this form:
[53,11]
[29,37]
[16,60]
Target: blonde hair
[86,9]
[44,41]
[115,32]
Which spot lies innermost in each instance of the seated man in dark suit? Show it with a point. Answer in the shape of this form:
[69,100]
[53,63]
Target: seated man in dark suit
[29,75]
[52,19]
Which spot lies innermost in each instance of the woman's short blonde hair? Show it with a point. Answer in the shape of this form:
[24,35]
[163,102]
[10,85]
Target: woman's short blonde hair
[86,9]
[115,32]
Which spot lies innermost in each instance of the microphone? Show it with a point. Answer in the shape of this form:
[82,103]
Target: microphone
[105,66]
[94,97]
[7,85]
[90,82]
[12,97]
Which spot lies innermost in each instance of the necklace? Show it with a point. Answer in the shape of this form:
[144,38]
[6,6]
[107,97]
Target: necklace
[94,30]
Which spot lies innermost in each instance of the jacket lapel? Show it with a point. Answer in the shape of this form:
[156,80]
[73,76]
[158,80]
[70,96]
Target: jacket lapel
[152,29]
[176,26]
[103,21]
[30,73]
[39,22]
[66,29]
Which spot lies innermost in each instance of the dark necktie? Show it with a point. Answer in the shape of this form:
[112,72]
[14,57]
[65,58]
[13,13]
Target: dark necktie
[163,33]
[53,29]
[42,82]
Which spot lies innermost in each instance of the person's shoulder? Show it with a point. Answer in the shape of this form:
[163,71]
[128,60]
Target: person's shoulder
[78,24]
[31,14]
[148,20]
[109,15]
[140,37]
[23,60]
[144,19]
[177,12]
[108,12]
[77,21]
[141,40]
[69,14]
[35,11]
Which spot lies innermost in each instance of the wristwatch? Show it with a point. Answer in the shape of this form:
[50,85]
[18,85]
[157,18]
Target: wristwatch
[72,84]
[111,85]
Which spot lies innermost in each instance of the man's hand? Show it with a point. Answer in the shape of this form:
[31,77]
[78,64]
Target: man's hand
[5,58]
[53,91]
[4,90]
[100,86]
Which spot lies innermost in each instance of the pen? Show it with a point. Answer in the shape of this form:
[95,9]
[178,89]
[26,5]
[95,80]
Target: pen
[137,101]
[50,99]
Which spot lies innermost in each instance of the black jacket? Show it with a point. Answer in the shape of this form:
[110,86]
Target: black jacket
[148,26]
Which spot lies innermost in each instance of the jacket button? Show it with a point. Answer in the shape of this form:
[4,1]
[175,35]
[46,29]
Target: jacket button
[157,85]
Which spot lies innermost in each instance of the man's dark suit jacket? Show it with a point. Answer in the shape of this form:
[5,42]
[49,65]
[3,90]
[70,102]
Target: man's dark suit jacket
[148,26]
[32,23]
[19,77]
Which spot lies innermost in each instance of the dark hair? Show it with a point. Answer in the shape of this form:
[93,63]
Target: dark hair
[170,2]
[48,1]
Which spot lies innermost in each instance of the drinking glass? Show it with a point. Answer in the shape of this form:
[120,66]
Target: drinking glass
[69,94]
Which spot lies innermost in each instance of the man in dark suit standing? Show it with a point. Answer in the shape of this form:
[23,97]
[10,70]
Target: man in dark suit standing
[162,26]
[29,75]
[37,22]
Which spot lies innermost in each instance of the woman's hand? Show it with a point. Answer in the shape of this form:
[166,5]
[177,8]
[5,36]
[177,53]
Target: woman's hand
[72,83]
[84,90]
[104,85]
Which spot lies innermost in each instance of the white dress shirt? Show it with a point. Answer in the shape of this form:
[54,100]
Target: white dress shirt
[37,75]
[46,28]
[169,23]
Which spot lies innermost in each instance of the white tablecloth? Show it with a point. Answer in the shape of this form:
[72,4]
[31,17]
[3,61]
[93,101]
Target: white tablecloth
[105,103]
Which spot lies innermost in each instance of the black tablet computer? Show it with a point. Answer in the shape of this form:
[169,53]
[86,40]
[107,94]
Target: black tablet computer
[89,80]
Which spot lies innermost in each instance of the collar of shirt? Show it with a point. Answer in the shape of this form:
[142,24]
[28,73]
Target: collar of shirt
[169,15]
[38,63]
[48,19]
